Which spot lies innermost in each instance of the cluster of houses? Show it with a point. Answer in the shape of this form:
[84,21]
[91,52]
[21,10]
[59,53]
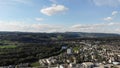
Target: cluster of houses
[81,55]
[106,56]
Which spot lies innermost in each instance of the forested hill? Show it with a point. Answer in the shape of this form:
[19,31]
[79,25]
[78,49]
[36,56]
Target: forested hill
[65,35]
[91,35]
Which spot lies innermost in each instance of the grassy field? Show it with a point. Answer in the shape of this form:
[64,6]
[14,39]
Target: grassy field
[8,46]
[35,64]
[76,48]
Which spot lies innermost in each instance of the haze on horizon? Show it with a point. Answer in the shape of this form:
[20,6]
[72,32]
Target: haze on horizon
[102,16]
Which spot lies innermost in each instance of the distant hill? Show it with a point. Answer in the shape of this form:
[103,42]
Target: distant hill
[91,35]
[65,34]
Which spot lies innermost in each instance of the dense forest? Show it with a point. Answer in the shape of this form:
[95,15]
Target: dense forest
[20,47]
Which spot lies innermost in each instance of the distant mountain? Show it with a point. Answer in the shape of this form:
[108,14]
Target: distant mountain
[91,35]
[64,35]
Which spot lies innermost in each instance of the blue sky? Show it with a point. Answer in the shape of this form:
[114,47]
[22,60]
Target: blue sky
[60,15]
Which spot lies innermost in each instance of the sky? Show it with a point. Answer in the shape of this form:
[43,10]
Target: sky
[98,16]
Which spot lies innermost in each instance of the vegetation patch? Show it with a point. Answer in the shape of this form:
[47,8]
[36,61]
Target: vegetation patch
[8,46]
[35,64]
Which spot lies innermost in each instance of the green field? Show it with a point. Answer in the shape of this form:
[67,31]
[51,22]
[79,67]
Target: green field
[35,64]
[8,46]
[76,48]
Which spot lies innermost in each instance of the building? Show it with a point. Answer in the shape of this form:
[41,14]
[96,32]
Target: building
[69,51]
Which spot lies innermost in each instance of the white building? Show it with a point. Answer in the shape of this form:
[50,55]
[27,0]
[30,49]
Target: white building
[69,51]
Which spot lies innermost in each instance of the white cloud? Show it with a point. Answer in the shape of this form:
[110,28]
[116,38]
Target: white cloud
[9,3]
[117,30]
[54,9]
[108,19]
[81,26]
[27,27]
[54,1]
[102,28]
[114,13]
[112,27]
[21,1]
[112,3]
[39,19]
[89,26]
[76,26]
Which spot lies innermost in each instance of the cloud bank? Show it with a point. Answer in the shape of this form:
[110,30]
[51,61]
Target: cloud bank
[27,27]
[112,27]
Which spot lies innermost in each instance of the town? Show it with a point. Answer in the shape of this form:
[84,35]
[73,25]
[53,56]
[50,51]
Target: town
[59,33]
[86,54]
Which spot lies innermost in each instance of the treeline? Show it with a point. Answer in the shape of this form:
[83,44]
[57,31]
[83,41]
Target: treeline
[46,37]
[26,53]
